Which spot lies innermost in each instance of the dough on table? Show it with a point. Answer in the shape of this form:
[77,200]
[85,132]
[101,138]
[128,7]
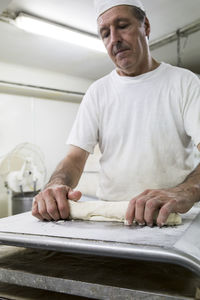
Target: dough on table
[107,211]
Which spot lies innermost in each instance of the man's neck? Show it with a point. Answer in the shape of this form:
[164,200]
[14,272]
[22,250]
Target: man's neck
[150,66]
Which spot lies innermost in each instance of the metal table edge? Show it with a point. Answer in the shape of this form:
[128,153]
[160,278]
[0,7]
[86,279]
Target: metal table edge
[103,248]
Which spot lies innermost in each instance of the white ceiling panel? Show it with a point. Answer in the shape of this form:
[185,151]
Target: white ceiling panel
[19,47]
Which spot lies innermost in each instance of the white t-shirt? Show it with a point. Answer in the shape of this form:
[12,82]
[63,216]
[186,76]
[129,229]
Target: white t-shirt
[146,127]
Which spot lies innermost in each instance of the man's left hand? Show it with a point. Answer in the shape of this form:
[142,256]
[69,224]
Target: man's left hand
[143,207]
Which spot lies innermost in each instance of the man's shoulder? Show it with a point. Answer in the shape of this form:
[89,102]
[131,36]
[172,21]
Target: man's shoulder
[101,82]
[178,71]
[98,89]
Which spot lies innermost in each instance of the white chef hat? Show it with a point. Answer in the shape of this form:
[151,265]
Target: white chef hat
[102,5]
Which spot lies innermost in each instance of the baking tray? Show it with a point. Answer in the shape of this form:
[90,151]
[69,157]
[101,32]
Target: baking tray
[178,244]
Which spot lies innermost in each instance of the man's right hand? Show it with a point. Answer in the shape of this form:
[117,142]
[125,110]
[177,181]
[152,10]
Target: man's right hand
[51,203]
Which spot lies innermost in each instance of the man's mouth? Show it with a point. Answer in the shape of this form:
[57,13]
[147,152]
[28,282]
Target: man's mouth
[120,51]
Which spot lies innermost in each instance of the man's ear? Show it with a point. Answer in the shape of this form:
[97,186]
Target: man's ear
[147,27]
[198,147]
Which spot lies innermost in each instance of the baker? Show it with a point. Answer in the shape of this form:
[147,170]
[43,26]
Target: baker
[145,116]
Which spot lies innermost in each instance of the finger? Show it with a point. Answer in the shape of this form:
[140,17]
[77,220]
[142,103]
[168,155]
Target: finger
[60,195]
[74,195]
[50,203]
[63,204]
[52,208]
[165,211]
[152,205]
[139,209]
[130,213]
[43,210]
[35,211]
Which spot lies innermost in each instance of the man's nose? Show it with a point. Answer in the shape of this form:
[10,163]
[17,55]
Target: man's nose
[115,37]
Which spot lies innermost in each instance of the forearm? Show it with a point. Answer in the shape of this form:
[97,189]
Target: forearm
[191,185]
[68,172]
[70,169]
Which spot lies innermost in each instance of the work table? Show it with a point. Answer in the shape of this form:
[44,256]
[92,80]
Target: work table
[103,260]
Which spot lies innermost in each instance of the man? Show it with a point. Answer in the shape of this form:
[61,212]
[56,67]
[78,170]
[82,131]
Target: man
[145,115]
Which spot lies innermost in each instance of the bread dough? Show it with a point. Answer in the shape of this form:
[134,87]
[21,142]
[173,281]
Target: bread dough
[108,211]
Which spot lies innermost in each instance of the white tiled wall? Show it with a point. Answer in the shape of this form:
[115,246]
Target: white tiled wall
[45,123]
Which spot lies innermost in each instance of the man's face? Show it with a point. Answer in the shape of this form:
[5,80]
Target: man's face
[125,39]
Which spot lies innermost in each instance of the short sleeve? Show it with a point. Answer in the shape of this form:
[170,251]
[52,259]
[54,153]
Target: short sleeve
[84,133]
[191,111]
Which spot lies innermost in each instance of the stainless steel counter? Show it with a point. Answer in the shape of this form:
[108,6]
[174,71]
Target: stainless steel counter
[178,245]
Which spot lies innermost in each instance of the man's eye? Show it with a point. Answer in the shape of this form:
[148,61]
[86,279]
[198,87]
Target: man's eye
[105,35]
[123,26]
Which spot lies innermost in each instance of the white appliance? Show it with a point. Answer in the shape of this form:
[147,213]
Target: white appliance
[22,172]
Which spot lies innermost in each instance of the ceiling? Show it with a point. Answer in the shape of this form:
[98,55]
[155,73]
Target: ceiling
[166,16]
